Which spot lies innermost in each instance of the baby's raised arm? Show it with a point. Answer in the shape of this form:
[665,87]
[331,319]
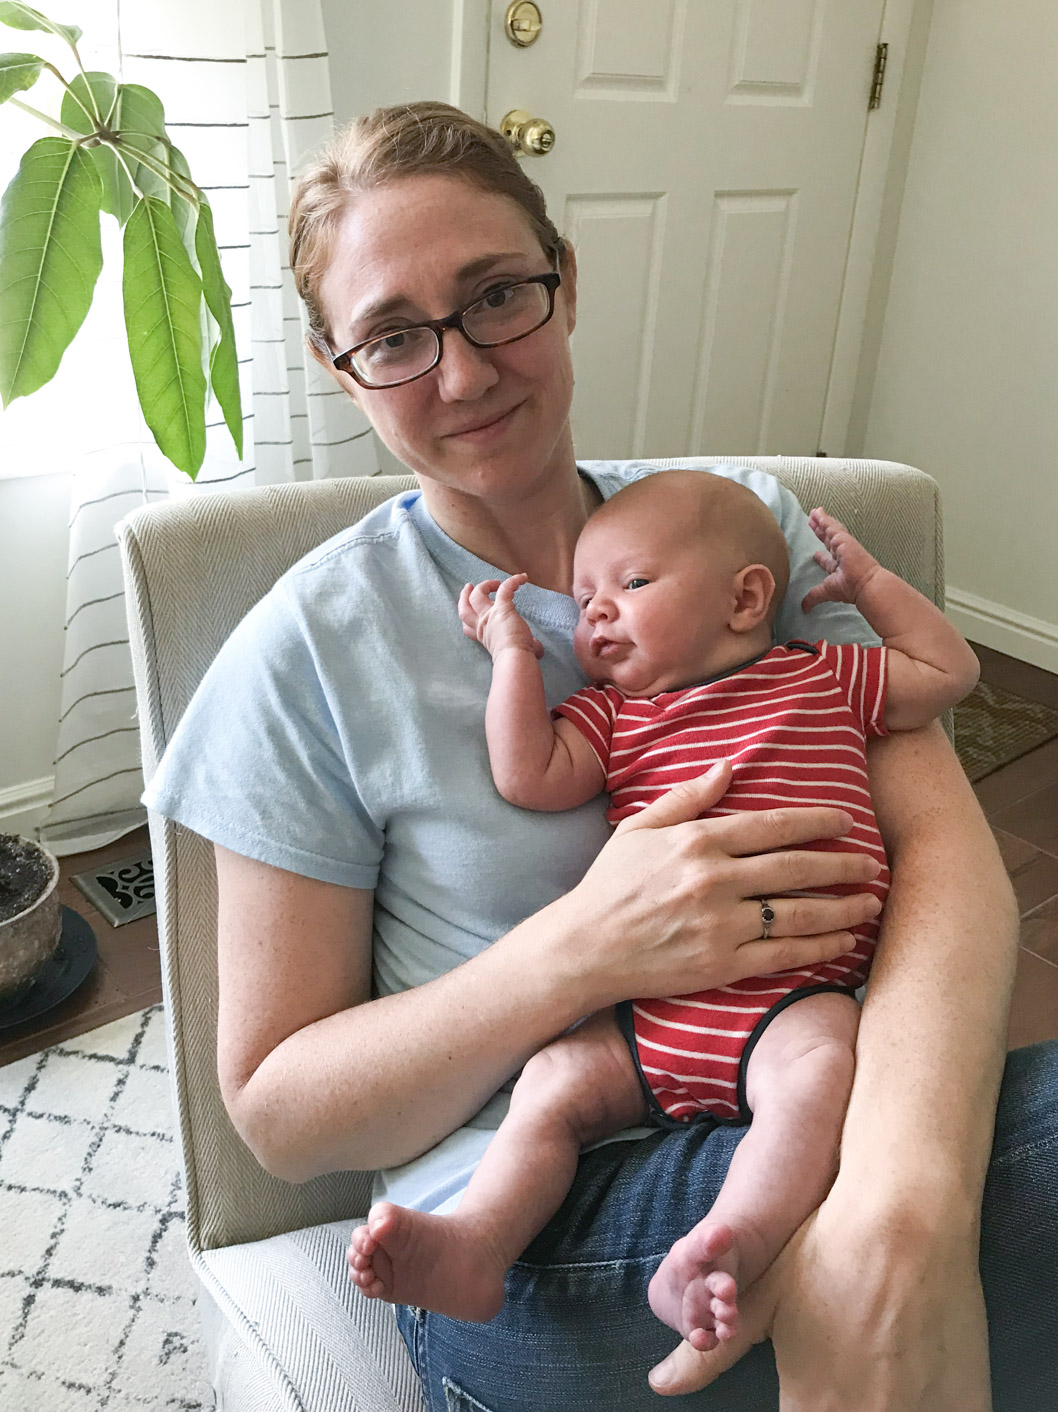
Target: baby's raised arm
[536,763]
[931,666]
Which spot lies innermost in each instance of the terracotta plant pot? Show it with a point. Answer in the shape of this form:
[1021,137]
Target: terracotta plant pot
[30,915]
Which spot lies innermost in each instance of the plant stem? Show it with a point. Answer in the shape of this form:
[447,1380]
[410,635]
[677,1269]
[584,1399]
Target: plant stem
[128,171]
[99,115]
[92,117]
[173,180]
[77,137]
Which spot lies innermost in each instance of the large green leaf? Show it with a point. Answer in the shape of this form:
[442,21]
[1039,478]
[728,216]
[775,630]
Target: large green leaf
[17,73]
[19,16]
[223,363]
[140,114]
[50,258]
[119,199]
[97,92]
[139,120]
[162,297]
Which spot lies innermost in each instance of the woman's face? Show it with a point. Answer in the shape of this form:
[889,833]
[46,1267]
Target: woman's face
[489,422]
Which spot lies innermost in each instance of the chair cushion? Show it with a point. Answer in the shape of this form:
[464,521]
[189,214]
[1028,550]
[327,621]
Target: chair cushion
[286,1330]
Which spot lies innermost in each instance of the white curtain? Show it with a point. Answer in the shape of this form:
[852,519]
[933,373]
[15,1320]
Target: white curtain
[246,90]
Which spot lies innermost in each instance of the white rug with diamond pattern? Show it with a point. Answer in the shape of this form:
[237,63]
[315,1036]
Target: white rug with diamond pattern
[96,1294]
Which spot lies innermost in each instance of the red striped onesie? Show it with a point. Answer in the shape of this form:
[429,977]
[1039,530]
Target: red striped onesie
[794,724]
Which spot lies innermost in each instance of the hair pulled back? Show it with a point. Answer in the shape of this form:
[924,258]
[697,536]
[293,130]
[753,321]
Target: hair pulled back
[386,145]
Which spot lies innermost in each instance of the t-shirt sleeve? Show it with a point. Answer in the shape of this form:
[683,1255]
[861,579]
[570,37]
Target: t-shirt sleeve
[592,711]
[257,764]
[862,673]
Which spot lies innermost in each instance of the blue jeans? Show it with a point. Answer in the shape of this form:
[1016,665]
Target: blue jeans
[576,1334]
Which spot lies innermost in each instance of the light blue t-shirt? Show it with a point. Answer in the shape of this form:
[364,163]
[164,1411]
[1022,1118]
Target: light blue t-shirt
[340,734]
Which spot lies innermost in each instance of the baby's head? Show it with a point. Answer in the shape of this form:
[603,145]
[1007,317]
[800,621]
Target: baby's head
[678,578]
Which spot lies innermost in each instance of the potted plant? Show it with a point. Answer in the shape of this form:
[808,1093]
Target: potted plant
[109,153]
[30,915]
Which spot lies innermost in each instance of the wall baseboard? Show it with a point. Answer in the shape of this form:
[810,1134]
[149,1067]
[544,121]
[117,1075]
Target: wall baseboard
[23,806]
[1003,629]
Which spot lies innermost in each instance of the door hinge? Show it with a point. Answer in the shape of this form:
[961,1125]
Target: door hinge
[881,58]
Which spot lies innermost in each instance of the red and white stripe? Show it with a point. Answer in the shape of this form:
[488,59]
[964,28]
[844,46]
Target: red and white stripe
[794,726]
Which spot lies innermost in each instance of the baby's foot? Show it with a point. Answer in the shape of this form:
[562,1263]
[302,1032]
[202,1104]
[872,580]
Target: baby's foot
[434,1262]
[694,1289]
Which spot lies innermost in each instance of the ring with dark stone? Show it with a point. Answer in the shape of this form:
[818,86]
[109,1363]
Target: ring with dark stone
[767,917]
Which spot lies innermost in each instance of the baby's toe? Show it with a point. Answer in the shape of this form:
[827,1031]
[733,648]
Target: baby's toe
[722,1286]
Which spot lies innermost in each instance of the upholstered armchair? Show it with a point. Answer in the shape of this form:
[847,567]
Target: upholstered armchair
[285,1329]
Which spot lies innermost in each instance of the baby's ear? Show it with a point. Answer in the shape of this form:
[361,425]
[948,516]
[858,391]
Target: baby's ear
[754,591]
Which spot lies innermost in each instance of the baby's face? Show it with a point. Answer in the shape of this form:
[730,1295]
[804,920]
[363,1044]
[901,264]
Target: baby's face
[654,603]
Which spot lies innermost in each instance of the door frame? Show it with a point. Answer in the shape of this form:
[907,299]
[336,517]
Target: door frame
[868,268]
[877,199]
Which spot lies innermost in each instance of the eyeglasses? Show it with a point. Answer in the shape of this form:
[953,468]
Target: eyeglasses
[504,315]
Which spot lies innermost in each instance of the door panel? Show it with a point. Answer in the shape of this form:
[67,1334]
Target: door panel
[740,345]
[620,239]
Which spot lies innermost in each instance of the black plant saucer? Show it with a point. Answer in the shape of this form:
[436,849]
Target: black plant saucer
[63,972]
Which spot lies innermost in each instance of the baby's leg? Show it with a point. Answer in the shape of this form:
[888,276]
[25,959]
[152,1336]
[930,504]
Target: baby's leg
[579,1089]
[798,1081]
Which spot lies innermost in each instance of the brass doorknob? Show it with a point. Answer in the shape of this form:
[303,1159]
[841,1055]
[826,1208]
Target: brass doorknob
[529,136]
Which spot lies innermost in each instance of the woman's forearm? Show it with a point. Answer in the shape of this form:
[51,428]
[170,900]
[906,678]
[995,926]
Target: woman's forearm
[931,1041]
[380,1082]
[318,1077]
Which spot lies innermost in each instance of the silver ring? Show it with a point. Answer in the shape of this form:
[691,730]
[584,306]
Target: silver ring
[767,917]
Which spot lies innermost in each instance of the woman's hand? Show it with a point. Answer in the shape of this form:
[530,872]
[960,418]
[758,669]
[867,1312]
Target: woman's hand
[876,1312]
[672,903]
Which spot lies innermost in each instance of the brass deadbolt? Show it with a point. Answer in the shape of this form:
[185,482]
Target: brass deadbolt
[522,23]
[529,136]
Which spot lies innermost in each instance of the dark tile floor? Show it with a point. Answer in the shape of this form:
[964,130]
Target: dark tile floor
[1020,802]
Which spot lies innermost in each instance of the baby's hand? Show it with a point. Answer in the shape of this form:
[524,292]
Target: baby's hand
[848,566]
[494,621]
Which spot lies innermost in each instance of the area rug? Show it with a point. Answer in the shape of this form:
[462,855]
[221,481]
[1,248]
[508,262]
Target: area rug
[994,726]
[97,1300]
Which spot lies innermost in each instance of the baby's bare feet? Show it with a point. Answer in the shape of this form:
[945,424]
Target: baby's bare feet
[434,1262]
[694,1289]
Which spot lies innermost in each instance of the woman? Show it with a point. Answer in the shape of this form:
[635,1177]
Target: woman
[362,851]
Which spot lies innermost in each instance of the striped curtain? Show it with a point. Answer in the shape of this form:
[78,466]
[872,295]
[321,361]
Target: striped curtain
[246,90]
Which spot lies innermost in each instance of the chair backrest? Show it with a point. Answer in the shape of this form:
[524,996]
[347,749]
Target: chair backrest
[193,569]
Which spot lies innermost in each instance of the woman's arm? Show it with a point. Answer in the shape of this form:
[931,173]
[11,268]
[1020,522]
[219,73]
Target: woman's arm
[932,1036]
[318,1077]
[876,1303]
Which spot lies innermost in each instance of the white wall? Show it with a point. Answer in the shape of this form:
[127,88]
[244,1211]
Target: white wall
[968,360]
[33,520]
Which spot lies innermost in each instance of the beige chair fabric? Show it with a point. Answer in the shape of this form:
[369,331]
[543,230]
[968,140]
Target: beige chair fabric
[285,1328]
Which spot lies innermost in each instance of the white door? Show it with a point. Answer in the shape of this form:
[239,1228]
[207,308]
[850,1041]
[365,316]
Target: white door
[705,168]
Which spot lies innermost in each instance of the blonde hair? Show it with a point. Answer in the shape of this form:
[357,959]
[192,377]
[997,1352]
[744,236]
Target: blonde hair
[386,145]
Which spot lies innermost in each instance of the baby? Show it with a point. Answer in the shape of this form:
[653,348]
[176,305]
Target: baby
[677,579]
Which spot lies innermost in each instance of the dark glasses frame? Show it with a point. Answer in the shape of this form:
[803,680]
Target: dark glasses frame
[344,361]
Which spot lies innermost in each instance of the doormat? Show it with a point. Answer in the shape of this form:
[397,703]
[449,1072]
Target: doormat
[994,726]
[122,891]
